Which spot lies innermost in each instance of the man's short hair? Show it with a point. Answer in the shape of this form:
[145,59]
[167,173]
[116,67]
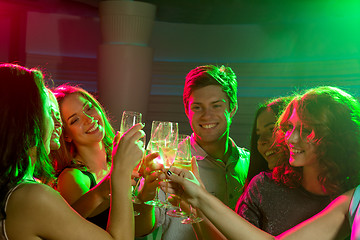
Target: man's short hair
[207,75]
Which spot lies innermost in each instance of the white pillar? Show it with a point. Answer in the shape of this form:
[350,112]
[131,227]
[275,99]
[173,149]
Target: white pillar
[125,60]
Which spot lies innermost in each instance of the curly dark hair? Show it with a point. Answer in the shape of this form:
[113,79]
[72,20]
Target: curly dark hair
[334,118]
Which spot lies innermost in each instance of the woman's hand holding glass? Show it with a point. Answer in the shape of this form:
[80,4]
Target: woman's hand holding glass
[152,174]
[183,184]
[164,138]
[182,160]
[127,152]
[128,120]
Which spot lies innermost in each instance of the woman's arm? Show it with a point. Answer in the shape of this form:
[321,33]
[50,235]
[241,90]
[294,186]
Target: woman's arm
[331,223]
[37,211]
[74,186]
[125,153]
[205,230]
[185,185]
[145,222]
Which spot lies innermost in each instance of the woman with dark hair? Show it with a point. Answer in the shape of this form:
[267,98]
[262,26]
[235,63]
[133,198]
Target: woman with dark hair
[263,151]
[83,162]
[321,130]
[31,210]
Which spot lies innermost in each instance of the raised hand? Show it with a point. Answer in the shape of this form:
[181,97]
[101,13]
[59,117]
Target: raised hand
[153,174]
[128,150]
[184,184]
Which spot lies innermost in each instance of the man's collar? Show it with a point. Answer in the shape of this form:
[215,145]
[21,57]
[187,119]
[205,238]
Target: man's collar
[196,150]
[200,153]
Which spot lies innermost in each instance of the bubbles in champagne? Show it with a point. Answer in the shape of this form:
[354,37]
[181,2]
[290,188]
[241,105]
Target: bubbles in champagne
[182,163]
[168,156]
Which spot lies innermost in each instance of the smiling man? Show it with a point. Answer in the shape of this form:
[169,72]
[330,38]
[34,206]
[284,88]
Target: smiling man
[210,101]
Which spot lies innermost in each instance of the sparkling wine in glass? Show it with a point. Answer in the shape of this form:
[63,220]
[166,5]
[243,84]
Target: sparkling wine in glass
[129,119]
[164,139]
[182,160]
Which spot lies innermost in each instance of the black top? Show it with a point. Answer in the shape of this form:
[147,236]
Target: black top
[102,218]
[274,207]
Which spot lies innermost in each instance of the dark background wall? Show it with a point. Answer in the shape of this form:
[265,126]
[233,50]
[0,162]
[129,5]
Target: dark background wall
[274,47]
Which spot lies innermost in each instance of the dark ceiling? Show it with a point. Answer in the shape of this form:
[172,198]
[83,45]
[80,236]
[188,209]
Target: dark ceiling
[216,11]
[247,11]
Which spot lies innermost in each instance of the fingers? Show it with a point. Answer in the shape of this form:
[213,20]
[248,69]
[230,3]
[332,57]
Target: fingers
[171,187]
[150,157]
[177,176]
[154,176]
[126,149]
[116,139]
[176,170]
[149,163]
[134,129]
[134,133]
[182,173]
[135,175]
[195,167]
[174,200]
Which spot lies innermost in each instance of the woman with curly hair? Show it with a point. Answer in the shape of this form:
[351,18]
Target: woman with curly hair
[320,130]
[319,163]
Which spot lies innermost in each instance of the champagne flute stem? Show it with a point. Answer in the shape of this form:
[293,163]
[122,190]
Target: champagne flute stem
[157,194]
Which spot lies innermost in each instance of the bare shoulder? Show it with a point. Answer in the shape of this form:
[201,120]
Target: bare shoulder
[72,184]
[345,200]
[36,191]
[72,173]
[40,212]
[73,176]
[32,196]
[28,206]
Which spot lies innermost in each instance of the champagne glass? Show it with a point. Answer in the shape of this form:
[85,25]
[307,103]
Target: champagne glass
[164,138]
[129,119]
[182,160]
[192,218]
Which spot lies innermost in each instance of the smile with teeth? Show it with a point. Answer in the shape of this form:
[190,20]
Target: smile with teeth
[208,125]
[296,151]
[96,125]
[268,153]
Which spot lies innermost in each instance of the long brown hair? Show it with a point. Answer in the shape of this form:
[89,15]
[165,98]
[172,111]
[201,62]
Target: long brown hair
[22,125]
[64,157]
[257,161]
